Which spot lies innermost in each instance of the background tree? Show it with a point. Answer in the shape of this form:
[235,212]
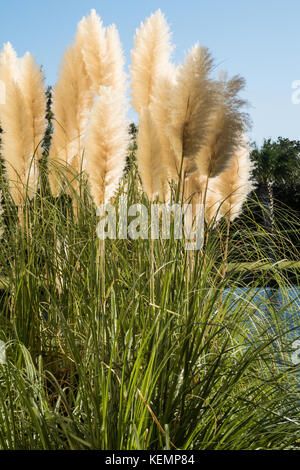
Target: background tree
[277,172]
[277,176]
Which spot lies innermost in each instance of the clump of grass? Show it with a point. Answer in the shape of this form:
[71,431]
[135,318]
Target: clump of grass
[201,367]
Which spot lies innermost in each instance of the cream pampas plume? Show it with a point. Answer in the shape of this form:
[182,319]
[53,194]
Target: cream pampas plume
[163,93]
[226,125]
[213,201]
[9,65]
[92,38]
[192,104]
[106,144]
[149,155]
[228,191]
[194,189]
[102,53]
[23,121]
[16,145]
[34,89]
[115,74]
[95,59]
[223,139]
[152,78]
[150,56]
[72,100]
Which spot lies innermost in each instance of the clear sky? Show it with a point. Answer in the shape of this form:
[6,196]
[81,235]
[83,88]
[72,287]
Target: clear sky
[258,39]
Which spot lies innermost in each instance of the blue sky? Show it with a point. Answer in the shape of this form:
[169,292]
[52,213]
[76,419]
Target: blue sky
[259,40]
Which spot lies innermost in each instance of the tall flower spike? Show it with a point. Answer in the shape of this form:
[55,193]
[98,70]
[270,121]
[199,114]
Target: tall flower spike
[116,76]
[226,126]
[34,92]
[192,104]
[9,71]
[95,59]
[23,121]
[72,100]
[150,56]
[17,145]
[160,109]
[228,191]
[9,65]
[106,144]
[92,36]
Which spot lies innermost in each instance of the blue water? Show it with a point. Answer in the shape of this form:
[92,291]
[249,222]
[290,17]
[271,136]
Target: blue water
[275,310]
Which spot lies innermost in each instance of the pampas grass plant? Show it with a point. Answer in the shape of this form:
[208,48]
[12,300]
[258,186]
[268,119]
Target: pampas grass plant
[106,145]
[150,64]
[189,124]
[95,59]
[72,99]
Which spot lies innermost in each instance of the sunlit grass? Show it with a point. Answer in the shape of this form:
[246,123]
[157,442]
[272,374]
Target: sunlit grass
[196,364]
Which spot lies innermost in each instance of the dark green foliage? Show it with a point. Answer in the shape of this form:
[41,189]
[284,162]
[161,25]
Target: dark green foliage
[277,175]
[277,164]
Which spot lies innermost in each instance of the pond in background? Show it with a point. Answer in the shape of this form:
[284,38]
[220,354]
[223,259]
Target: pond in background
[270,303]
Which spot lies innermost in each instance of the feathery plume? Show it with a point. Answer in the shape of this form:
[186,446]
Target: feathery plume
[228,191]
[9,65]
[160,109]
[106,144]
[150,56]
[115,62]
[72,100]
[9,70]
[92,37]
[226,125]
[17,145]
[23,121]
[149,155]
[95,59]
[33,89]
[213,201]
[194,187]
[193,193]
[192,105]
